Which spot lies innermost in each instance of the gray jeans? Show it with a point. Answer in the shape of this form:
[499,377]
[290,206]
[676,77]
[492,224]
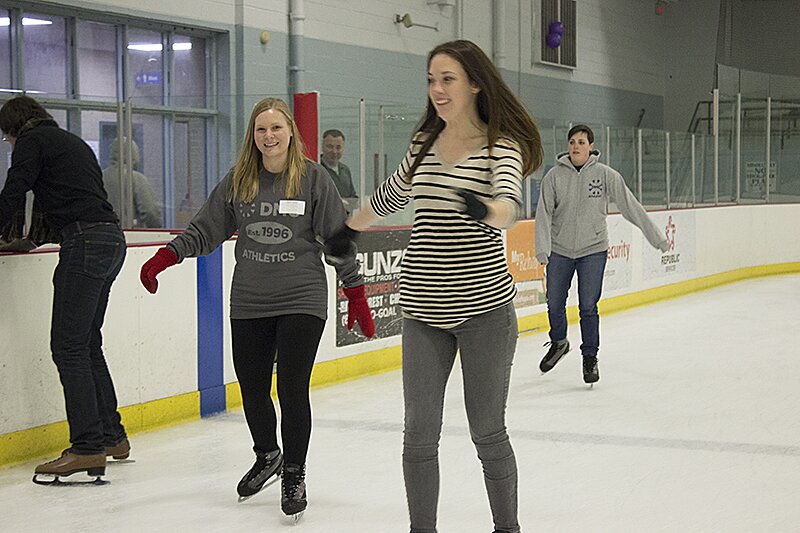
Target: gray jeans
[487,344]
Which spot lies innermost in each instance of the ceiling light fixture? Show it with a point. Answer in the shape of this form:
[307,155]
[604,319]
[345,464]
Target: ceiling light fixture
[26,21]
[156,47]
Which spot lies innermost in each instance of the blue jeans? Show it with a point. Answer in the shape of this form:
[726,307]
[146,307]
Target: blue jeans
[487,344]
[90,258]
[560,271]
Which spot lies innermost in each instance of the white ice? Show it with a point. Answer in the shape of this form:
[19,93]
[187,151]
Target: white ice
[693,426]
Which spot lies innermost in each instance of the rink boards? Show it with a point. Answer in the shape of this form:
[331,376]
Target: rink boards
[169,353]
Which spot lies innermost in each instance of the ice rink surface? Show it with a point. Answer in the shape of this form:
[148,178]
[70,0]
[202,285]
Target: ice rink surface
[694,426]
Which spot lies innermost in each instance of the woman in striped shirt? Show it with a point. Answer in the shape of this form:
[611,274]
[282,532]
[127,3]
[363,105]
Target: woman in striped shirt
[464,170]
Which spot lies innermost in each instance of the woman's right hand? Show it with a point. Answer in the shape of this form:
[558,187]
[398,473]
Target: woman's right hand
[163,259]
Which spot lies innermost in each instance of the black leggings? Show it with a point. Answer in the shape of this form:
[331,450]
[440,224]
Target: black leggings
[295,339]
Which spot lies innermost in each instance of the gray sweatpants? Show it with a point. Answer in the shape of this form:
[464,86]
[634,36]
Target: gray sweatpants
[487,344]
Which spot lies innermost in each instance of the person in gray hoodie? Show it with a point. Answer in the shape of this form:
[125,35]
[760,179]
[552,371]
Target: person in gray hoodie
[571,235]
[146,211]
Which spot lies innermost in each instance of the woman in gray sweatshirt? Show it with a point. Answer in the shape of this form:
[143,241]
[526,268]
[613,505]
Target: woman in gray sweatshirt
[571,235]
[283,207]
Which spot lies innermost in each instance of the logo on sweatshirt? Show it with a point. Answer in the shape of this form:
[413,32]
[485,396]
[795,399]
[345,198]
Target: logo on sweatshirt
[247,210]
[595,188]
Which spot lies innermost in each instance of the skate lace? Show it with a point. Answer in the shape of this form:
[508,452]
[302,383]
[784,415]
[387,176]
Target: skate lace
[57,459]
[292,482]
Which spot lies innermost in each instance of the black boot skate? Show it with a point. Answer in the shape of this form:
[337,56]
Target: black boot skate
[293,500]
[265,471]
[554,354]
[591,374]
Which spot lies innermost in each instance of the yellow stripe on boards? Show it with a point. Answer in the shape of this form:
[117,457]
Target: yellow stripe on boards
[51,439]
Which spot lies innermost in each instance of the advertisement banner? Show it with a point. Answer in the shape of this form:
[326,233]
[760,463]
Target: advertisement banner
[527,272]
[618,267]
[380,254]
[680,228]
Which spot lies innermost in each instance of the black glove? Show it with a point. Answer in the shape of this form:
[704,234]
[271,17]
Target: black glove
[338,245]
[475,207]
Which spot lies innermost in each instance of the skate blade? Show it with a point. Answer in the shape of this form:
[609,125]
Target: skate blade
[55,480]
[267,484]
[293,519]
[120,461]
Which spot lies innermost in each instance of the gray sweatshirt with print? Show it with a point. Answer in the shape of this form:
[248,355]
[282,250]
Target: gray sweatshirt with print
[279,267]
[573,206]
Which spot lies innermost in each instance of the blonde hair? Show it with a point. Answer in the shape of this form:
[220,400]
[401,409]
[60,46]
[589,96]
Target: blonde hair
[244,186]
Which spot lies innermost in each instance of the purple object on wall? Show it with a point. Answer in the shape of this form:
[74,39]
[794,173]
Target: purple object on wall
[553,40]
[557,27]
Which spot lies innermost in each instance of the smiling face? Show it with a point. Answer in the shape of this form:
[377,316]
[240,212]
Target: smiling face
[271,135]
[332,149]
[580,148]
[450,90]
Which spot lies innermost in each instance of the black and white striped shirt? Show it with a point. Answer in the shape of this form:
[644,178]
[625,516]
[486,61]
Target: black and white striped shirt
[454,267]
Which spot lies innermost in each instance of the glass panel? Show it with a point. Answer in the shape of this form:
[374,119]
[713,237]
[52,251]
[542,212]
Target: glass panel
[783,155]
[654,171]
[189,153]
[681,194]
[754,146]
[98,129]
[340,151]
[145,66]
[189,73]
[388,133]
[727,149]
[45,54]
[705,157]
[151,158]
[622,158]
[5,52]
[144,208]
[97,61]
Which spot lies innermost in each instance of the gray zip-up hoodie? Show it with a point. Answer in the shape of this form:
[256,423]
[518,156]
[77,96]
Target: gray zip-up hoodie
[278,253]
[573,206]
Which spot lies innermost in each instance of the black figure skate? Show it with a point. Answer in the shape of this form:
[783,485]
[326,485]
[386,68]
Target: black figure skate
[265,472]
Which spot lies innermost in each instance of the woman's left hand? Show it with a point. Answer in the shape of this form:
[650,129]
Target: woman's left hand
[358,311]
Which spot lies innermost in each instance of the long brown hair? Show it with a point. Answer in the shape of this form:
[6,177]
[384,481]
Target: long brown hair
[244,186]
[498,107]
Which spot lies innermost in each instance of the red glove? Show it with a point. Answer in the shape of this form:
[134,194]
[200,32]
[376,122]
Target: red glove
[163,259]
[358,311]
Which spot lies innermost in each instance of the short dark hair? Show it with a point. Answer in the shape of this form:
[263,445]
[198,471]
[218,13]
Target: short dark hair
[19,110]
[334,133]
[577,128]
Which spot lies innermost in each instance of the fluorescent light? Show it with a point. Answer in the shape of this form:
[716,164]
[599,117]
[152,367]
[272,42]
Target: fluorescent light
[21,91]
[26,21]
[35,22]
[157,47]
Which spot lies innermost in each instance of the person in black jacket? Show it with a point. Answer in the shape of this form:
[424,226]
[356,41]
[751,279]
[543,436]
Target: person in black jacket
[63,172]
